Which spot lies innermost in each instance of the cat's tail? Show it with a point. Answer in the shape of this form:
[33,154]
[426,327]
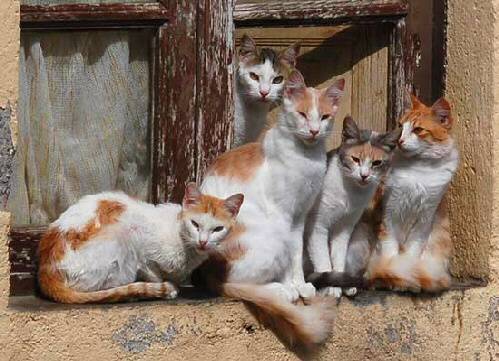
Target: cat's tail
[53,282]
[54,287]
[297,325]
[427,272]
[405,272]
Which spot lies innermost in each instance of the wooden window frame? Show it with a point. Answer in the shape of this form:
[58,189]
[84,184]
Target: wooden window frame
[192,111]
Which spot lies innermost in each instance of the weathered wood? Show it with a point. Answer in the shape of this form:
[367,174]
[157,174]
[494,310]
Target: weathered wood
[23,246]
[215,80]
[439,49]
[316,12]
[401,71]
[370,77]
[92,15]
[174,134]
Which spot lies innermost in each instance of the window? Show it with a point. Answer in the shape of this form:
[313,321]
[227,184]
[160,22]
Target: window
[165,83]
[114,95]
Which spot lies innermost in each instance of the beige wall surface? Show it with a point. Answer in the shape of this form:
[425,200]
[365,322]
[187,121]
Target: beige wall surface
[461,325]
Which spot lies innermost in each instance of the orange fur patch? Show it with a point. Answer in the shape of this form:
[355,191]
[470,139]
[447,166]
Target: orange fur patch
[422,116]
[307,102]
[51,250]
[240,163]
[211,205]
[108,212]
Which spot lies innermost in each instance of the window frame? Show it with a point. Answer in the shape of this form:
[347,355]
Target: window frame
[192,115]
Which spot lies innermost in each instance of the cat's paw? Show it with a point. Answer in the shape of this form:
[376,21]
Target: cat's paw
[306,290]
[331,292]
[169,291]
[284,292]
[350,292]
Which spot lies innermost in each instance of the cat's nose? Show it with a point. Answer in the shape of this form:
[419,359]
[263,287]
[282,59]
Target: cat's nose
[264,93]
[400,141]
[203,243]
[364,177]
[314,132]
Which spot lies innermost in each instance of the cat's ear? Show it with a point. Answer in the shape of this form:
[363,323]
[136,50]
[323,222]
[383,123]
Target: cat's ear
[442,110]
[411,102]
[351,132]
[247,49]
[335,91]
[289,55]
[233,203]
[192,195]
[388,141]
[295,85]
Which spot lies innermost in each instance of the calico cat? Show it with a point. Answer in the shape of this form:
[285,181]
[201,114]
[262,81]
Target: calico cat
[101,246]
[280,178]
[414,239]
[354,172]
[260,79]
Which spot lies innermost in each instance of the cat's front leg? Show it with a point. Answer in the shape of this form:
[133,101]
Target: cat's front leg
[295,276]
[339,247]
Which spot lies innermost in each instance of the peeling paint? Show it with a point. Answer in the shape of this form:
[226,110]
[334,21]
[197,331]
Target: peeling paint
[6,155]
[140,332]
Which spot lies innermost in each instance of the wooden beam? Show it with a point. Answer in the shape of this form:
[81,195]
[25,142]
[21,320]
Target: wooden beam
[174,134]
[316,12]
[215,103]
[93,15]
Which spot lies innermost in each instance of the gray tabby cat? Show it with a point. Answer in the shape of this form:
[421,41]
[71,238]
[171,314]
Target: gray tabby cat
[260,79]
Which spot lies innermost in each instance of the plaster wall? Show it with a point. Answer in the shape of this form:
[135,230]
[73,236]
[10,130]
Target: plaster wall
[460,325]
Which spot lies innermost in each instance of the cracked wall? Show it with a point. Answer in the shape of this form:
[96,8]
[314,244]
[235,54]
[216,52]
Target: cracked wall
[460,325]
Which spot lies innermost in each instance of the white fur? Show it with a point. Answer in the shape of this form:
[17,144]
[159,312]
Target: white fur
[332,221]
[277,200]
[148,243]
[420,177]
[250,109]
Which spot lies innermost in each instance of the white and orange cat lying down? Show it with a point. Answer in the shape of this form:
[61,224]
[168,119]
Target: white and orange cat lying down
[109,247]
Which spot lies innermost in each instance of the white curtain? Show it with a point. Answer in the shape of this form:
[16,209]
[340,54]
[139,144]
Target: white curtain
[83,120]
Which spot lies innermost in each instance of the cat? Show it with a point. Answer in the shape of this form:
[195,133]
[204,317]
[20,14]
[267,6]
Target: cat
[414,242]
[260,79]
[99,248]
[355,170]
[280,177]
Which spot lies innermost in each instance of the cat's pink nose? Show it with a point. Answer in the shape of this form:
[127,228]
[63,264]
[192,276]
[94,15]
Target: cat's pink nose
[264,93]
[314,132]
[202,244]
[401,141]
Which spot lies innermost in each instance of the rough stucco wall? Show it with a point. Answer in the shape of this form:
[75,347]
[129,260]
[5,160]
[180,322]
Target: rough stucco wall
[456,326]
[470,89]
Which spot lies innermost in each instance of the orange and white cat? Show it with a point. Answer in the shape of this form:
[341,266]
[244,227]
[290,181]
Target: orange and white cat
[109,247]
[280,179]
[414,241]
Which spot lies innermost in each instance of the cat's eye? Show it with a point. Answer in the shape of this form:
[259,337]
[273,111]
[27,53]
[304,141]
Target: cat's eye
[194,224]
[325,116]
[356,160]
[303,114]
[278,80]
[218,229]
[377,163]
[417,130]
[254,76]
